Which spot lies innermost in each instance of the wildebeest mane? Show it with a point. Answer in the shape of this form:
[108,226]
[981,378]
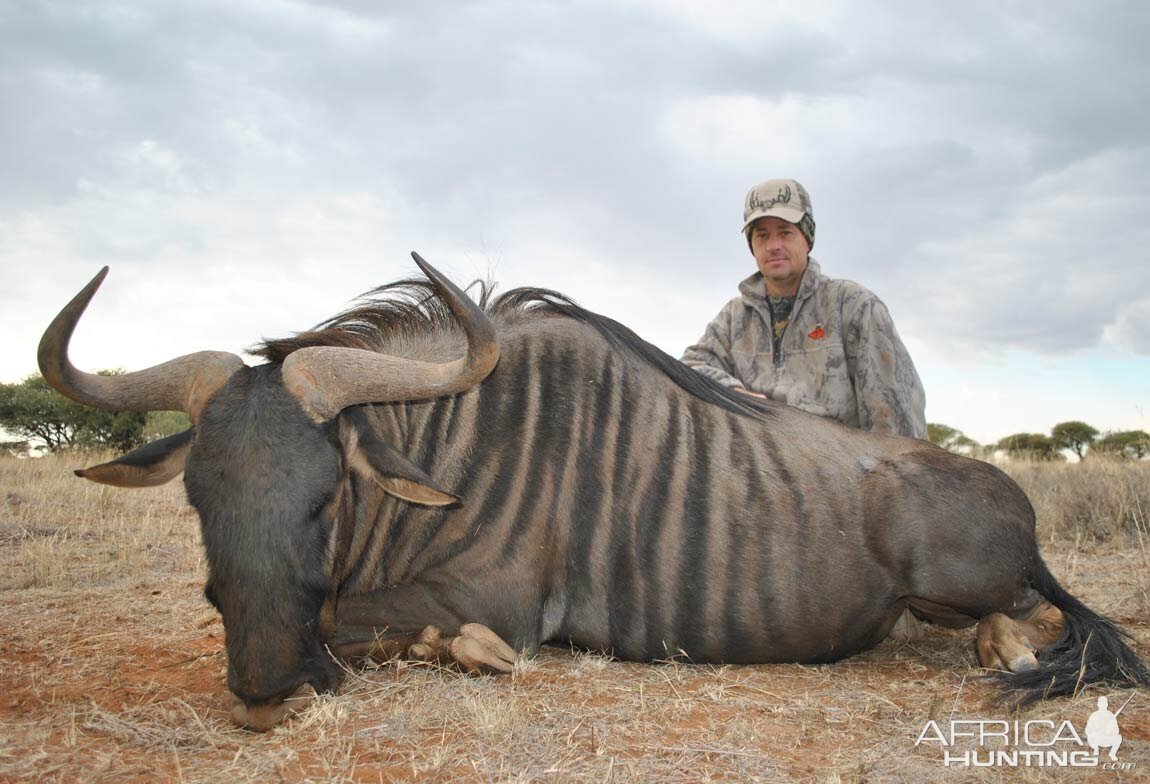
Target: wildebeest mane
[403,309]
[406,310]
[624,339]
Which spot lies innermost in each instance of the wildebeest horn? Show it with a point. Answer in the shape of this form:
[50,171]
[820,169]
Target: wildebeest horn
[328,379]
[181,384]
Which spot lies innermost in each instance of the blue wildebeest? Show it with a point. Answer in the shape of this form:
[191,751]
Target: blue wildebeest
[431,477]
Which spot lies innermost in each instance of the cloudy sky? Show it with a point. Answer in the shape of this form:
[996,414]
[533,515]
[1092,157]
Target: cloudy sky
[248,168]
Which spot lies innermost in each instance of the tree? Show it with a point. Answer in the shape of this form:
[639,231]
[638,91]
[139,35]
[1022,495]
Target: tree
[1033,446]
[1131,444]
[1075,436]
[161,424]
[949,438]
[14,448]
[34,411]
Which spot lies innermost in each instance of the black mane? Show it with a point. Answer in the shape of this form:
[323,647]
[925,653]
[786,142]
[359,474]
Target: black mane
[410,308]
[407,308]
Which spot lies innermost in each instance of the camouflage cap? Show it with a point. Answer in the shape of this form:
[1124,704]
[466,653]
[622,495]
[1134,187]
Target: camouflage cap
[785,199]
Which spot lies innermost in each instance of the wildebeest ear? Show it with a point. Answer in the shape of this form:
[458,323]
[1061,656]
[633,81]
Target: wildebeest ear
[390,468]
[150,465]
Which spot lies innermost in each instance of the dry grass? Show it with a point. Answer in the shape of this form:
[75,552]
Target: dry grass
[112,669]
[1098,500]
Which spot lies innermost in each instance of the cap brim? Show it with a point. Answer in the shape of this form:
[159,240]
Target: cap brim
[785,211]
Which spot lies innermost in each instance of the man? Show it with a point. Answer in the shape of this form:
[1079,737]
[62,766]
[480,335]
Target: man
[824,345]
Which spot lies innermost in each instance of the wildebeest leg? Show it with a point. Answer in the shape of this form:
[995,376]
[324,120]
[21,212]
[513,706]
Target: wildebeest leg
[409,621]
[1006,643]
[1003,642]
[940,614]
[958,537]
[475,649]
[916,610]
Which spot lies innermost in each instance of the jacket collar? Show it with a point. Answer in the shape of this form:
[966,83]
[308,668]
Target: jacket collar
[754,288]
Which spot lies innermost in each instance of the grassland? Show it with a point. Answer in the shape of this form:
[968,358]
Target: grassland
[112,669]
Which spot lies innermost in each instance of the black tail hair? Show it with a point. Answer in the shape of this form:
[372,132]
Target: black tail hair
[1091,649]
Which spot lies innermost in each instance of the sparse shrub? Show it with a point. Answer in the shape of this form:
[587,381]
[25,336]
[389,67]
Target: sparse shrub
[1030,446]
[1129,444]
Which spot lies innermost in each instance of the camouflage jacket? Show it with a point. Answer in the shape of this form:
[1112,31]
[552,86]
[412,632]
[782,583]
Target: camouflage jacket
[840,355]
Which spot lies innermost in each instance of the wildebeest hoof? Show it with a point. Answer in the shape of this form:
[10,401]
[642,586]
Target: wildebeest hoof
[475,649]
[428,646]
[1024,663]
[478,649]
[262,718]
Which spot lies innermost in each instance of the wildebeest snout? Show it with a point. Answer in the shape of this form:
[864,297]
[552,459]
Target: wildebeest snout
[262,718]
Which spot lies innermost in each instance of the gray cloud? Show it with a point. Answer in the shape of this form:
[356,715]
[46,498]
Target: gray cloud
[981,168]
[1130,328]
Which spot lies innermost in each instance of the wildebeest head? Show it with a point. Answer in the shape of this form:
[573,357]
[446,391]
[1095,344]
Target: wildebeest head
[262,466]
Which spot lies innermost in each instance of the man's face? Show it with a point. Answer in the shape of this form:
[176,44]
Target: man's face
[781,254]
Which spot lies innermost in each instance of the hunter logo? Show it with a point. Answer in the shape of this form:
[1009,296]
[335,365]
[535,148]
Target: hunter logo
[1102,729]
[756,202]
[989,743]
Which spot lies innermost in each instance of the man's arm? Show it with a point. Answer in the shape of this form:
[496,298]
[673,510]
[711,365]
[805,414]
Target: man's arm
[889,392]
[711,356]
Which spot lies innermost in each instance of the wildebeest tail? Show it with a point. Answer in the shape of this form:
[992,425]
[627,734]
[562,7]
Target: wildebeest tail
[1091,649]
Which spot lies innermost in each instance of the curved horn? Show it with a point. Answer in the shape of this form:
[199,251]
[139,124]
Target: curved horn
[328,379]
[182,384]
